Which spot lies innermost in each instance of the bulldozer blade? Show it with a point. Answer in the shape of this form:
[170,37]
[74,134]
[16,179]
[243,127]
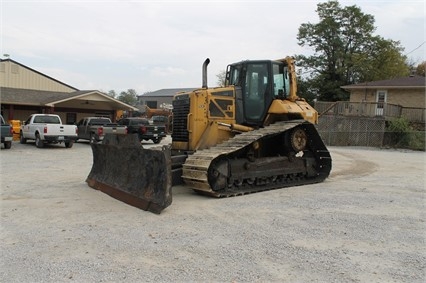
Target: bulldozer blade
[123,169]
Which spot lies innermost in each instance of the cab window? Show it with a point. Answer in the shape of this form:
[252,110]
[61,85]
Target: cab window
[256,86]
[281,81]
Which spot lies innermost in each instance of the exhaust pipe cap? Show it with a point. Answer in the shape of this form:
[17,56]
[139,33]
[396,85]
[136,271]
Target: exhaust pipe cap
[206,62]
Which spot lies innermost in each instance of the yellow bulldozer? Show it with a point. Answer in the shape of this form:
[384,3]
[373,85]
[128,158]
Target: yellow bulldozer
[253,134]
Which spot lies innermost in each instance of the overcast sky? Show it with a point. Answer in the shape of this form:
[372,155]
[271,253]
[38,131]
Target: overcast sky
[150,45]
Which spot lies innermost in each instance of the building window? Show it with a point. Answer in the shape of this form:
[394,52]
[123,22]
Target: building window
[151,104]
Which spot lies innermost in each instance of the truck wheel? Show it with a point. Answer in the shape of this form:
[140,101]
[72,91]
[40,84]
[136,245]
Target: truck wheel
[69,144]
[7,145]
[157,140]
[39,143]
[22,140]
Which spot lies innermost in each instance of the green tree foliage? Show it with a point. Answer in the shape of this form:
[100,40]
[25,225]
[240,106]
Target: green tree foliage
[112,93]
[420,69]
[401,134]
[346,52]
[384,60]
[129,97]
[305,90]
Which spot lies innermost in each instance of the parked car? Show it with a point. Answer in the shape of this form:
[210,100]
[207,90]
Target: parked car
[95,128]
[6,134]
[144,129]
[47,128]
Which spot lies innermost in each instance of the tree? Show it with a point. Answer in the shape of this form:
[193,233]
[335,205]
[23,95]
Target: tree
[346,52]
[221,77]
[129,97]
[112,93]
[420,69]
[305,89]
[383,61]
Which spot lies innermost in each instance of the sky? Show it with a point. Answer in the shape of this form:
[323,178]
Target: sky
[151,45]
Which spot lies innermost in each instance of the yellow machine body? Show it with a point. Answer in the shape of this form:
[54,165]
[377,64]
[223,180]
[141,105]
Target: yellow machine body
[251,135]
[206,128]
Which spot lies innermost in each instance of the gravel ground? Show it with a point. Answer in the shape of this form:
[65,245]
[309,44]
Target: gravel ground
[365,223]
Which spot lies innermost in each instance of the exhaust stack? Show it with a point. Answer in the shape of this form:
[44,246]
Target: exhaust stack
[206,62]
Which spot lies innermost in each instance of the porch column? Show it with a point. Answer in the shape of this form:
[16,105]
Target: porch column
[11,110]
[50,110]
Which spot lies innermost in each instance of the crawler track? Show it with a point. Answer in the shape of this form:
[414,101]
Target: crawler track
[226,169]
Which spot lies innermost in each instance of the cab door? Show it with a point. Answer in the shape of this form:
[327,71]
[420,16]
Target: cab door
[26,128]
[82,128]
[254,79]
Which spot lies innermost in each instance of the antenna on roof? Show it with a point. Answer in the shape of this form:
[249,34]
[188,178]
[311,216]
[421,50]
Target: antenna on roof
[6,55]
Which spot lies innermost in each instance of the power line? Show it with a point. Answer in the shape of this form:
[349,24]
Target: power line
[415,48]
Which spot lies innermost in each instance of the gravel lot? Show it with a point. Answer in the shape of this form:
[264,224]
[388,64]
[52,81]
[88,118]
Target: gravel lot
[365,223]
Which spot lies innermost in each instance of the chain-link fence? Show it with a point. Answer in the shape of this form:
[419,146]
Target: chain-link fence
[365,131]
[351,131]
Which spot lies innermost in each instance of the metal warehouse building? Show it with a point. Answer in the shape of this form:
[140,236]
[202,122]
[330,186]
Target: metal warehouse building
[24,91]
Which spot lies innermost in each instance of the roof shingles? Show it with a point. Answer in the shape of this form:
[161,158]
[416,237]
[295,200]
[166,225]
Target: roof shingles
[34,97]
[166,92]
[404,82]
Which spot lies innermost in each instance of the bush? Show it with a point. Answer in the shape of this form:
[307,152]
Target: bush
[401,134]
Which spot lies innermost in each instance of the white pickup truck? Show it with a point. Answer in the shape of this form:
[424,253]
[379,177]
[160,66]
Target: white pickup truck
[47,128]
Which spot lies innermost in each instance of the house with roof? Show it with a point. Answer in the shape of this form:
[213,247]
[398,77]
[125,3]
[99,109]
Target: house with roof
[387,99]
[396,97]
[156,99]
[24,91]
[405,91]
[362,121]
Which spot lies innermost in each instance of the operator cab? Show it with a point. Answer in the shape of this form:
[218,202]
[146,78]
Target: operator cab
[257,84]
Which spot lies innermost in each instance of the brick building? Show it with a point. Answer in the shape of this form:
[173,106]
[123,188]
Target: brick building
[405,92]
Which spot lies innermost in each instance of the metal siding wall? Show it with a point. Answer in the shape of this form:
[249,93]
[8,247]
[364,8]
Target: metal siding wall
[16,76]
